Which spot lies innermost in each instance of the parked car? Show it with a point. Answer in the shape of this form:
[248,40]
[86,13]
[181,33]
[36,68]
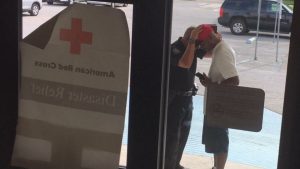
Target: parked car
[32,6]
[241,16]
[67,2]
[112,4]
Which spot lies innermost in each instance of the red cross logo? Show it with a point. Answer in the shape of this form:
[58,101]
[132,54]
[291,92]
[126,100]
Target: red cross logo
[76,36]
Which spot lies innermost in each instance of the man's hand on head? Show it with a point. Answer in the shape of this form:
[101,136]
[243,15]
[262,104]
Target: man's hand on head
[195,33]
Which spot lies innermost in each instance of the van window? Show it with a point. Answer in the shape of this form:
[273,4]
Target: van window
[250,5]
[240,4]
[270,6]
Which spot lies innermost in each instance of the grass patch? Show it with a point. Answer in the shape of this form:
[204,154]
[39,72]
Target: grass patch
[289,3]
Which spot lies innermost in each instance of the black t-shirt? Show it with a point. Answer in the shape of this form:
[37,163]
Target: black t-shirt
[181,79]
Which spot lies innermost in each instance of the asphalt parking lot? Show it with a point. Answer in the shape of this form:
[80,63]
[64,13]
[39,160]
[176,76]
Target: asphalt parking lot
[267,72]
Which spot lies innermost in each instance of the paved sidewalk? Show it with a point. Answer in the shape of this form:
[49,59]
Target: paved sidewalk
[194,162]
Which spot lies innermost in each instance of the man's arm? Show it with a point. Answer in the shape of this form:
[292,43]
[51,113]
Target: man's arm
[187,58]
[234,81]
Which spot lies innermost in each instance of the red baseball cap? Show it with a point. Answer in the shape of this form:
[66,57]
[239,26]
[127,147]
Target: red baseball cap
[205,33]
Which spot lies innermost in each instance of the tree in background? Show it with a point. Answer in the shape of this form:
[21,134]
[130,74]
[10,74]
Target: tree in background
[290,3]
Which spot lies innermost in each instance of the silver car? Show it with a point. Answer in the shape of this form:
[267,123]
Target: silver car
[67,2]
[32,6]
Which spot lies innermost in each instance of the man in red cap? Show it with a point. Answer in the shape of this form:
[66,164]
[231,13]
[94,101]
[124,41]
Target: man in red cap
[222,72]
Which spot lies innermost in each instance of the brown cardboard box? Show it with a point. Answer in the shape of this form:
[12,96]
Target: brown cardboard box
[235,107]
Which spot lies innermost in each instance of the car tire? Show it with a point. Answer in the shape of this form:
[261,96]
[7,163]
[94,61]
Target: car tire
[35,8]
[238,26]
[50,2]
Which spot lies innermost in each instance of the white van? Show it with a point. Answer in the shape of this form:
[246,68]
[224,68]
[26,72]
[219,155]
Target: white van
[93,2]
[112,4]
[32,6]
[67,2]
